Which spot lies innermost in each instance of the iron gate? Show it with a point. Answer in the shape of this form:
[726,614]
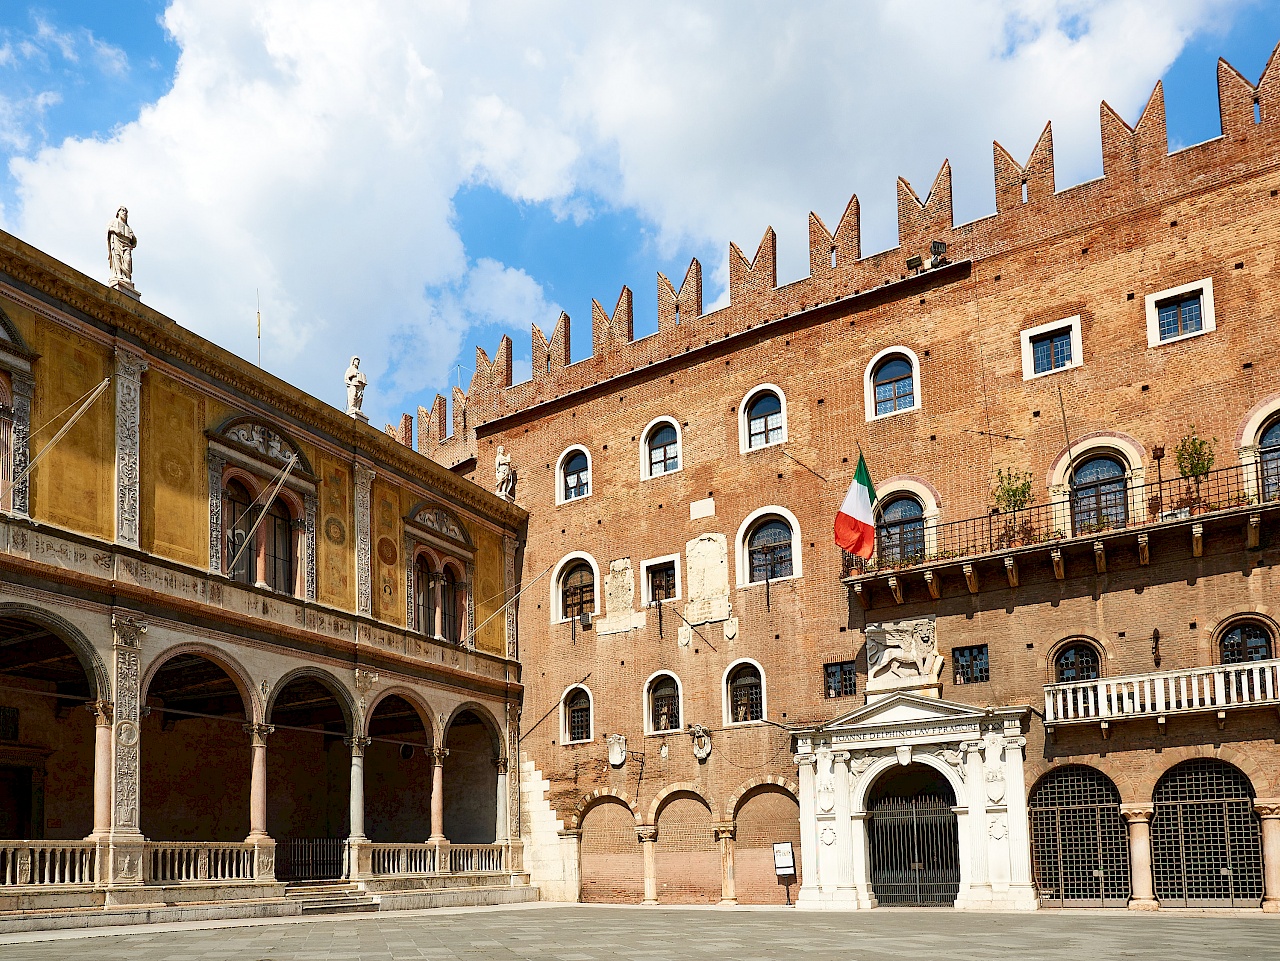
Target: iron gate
[310,859]
[1079,847]
[915,851]
[1206,850]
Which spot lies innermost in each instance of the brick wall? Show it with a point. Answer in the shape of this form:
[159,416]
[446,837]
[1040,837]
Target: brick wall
[612,862]
[688,857]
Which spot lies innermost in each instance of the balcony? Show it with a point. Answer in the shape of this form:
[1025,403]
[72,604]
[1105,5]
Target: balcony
[1200,690]
[1098,515]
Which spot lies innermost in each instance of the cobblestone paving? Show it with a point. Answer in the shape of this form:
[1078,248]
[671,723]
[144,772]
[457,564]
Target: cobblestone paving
[658,934]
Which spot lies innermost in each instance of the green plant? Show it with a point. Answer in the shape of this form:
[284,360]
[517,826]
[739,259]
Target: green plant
[1013,490]
[1195,455]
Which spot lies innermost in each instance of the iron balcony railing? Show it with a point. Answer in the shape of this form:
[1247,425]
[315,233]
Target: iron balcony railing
[1087,511]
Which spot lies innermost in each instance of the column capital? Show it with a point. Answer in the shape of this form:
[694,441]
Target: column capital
[357,744]
[102,711]
[726,830]
[841,757]
[646,833]
[258,732]
[805,760]
[1139,813]
[501,764]
[438,754]
[1267,808]
[128,630]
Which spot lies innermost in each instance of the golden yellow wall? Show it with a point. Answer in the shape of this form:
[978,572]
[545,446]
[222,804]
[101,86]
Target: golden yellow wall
[175,481]
[73,485]
[388,566]
[334,541]
[488,591]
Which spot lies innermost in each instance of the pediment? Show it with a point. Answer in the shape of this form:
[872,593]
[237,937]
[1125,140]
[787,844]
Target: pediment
[11,339]
[439,521]
[263,441]
[895,710]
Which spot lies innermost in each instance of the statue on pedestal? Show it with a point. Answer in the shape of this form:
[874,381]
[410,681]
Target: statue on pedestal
[504,475]
[356,383]
[120,243]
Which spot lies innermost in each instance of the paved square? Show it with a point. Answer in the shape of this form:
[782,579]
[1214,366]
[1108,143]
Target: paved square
[582,933]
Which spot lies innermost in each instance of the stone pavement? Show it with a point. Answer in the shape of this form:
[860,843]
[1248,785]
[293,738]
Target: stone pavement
[587,933]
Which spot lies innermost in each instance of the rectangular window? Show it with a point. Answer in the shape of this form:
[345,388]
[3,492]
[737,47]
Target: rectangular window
[580,722]
[971,664]
[662,581]
[839,678]
[1180,316]
[1052,351]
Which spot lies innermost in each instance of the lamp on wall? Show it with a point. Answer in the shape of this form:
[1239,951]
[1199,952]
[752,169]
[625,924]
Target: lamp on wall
[1155,646]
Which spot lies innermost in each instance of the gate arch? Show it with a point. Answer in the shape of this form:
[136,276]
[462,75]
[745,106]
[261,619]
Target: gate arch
[913,837]
[1206,846]
[1079,845]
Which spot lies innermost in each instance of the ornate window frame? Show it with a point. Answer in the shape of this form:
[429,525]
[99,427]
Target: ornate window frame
[645,460]
[869,387]
[742,559]
[726,697]
[16,364]
[564,715]
[559,477]
[253,449]
[1122,447]
[434,531]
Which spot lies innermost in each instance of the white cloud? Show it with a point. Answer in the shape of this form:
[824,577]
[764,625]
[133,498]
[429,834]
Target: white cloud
[311,148]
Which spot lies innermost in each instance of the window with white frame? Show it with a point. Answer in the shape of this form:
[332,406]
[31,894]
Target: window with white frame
[1051,347]
[762,419]
[746,694]
[664,703]
[1180,312]
[661,578]
[577,715]
[573,479]
[891,383]
[661,452]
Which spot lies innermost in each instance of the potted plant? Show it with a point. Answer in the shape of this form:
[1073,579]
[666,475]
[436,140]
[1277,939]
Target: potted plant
[1195,456]
[1012,493]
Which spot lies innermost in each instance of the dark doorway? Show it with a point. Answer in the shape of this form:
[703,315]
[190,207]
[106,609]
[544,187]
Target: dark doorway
[1079,846]
[914,838]
[15,803]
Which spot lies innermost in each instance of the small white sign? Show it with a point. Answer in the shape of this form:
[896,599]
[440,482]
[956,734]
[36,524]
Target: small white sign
[784,859]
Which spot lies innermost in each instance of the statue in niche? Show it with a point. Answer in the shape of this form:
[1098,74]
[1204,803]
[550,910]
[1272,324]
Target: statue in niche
[504,475]
[120,243]
[356,383]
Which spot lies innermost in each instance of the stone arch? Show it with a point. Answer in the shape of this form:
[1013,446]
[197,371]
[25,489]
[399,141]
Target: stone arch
[304,465]
[253,708]
[486,718]
[410,697]
[868,381]
[670,793]
[1259,414]
[449,517]
[1048,655]
[601,796]
[1116,443]
[346,703]
[95,670]
[1144,782]
[863,785]
[730,810]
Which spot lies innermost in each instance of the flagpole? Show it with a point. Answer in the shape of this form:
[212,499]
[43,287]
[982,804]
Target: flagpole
[258,298]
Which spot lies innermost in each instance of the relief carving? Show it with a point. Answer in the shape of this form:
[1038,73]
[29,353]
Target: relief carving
[128,640]
[216,466]
[309,546]
[902,655]
[23,387]
[263,440]
[438,520]
[129,369]
[509,590]
[364,546]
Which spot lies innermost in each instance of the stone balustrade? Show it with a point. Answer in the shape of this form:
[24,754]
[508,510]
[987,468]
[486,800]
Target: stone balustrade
[48,862]
[175,862]
[1216,688]
[476,858]
[392,859]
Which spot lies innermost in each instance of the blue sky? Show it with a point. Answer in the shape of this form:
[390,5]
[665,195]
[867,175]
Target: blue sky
[406,185]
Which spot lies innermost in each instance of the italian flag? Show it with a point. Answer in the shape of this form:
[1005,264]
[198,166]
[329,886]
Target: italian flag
[856,524]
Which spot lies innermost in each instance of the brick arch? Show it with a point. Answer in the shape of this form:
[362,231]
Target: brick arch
[253,708]
[1048,655]
[413,699]
[730,810]
[1214,629]
[1144,781]
[669,793]
[601,796]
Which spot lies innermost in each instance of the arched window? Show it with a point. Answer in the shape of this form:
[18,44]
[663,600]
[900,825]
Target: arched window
[236,522]
[1245,642]
[1099,495]
[746,694]
[663,449]
[577,715]
[424,596]
[764,420]
[576,475]
[578,591]
[769,550]
[900,534]
[1269,456]
[278,536]
[664,703]
[894,384]
[1076,662]
[449,605]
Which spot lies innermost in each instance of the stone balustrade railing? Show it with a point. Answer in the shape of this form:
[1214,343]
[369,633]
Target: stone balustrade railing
[1188,691]
[173,862]
[387,859]
[48,862]
[476,858]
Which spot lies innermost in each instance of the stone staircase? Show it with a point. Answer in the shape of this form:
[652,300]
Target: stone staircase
[329,897]
[549,859]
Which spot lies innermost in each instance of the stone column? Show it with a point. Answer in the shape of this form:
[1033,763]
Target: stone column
[216,466]
[125,865]
[861,861]
[1142,891]
[437,591]
[844,829]
[1021,886]
[974,839]
[258,779]
[24,387]
[438,754]
[502,832]
[364,542]
[128,378]
[648,836]
[510,587]
[357,745]
[725,832]
[102,715]
[810,881]
[309,547]
[1269,811]
[467,631]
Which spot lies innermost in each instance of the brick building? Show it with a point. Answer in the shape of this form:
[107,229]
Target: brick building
[1066,694]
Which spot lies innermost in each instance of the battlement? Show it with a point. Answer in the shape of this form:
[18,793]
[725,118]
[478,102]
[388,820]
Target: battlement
[1138,170]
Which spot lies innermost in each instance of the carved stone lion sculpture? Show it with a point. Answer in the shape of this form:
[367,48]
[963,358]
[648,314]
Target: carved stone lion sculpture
[903,649]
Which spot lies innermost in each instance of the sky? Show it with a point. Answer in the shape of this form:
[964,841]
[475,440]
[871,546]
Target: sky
[408,180]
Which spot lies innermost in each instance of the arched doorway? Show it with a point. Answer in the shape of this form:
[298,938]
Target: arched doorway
[46,735]
[397,772]
[914,838]
[1079,847]
[309,780]
[687,856]
[471,781]
[195,765]
[767,815]
[612,863]
[1206,848]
